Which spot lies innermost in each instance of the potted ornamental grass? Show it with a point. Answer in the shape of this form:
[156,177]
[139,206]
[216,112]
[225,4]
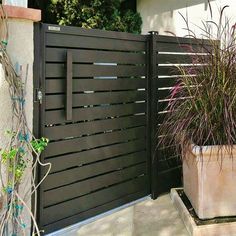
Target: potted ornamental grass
[203,125]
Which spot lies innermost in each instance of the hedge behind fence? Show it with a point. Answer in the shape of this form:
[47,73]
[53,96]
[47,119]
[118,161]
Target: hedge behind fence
[95,14]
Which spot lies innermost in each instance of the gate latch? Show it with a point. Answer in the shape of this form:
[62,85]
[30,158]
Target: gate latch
[39,96]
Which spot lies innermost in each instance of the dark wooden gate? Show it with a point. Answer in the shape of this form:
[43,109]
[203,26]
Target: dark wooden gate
[94,112]
[100,97]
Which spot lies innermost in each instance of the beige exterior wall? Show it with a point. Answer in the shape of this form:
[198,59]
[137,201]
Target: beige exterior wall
[20,3]
[21,50]
[163,15]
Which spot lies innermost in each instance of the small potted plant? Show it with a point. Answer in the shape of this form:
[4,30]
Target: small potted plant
[203,124]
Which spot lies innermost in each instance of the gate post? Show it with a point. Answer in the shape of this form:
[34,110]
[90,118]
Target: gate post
[152,109]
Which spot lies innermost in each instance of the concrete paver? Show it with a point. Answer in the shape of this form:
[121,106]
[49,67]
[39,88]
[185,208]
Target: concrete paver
[157,218]
[146,218]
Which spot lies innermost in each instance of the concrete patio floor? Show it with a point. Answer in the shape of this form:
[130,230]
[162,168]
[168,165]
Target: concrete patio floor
[146,218]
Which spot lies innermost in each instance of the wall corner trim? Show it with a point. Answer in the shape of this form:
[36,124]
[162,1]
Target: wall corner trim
[22,13]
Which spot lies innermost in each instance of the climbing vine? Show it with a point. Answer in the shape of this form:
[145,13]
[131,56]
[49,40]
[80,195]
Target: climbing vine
[21,154]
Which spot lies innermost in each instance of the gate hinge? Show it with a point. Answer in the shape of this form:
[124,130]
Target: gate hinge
[39,96]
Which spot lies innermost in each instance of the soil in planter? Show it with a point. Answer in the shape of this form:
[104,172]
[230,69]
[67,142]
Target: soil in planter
[217,220]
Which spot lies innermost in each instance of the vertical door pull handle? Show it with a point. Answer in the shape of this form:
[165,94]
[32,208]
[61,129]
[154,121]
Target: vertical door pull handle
[69,92]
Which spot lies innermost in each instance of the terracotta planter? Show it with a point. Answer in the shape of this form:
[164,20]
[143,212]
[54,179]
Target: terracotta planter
[210,184]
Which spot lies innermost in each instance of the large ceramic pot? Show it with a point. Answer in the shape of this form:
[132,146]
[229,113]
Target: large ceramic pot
[210,181]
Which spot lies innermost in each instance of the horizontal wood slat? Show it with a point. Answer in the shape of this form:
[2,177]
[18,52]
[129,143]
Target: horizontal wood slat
[73,130]
[86,99]
[166,82]
[179,58]
[58,85]
[96,33]
[87,171]
[182,40]
[183,48]
[164,94]
[91,56]
[58,195]
[74,41]
[173,70]
[168,70]
[91,113]
[174,59]
[55,213]
[81,70]
[161,117]
[64,162]
[95,211]
[169,163]
[74,145]
[162,106]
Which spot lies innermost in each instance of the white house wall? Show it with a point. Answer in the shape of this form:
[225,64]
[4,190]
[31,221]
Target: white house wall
[164,15]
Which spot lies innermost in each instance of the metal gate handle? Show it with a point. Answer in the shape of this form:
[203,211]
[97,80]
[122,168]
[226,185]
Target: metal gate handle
[69,72]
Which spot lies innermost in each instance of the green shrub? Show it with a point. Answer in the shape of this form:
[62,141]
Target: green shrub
[94,14]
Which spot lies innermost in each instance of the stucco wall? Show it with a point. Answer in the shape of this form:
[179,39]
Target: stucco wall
[20,48]
[20,3]
[163,15]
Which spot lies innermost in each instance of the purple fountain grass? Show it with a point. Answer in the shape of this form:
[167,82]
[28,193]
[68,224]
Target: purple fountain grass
[208,114]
